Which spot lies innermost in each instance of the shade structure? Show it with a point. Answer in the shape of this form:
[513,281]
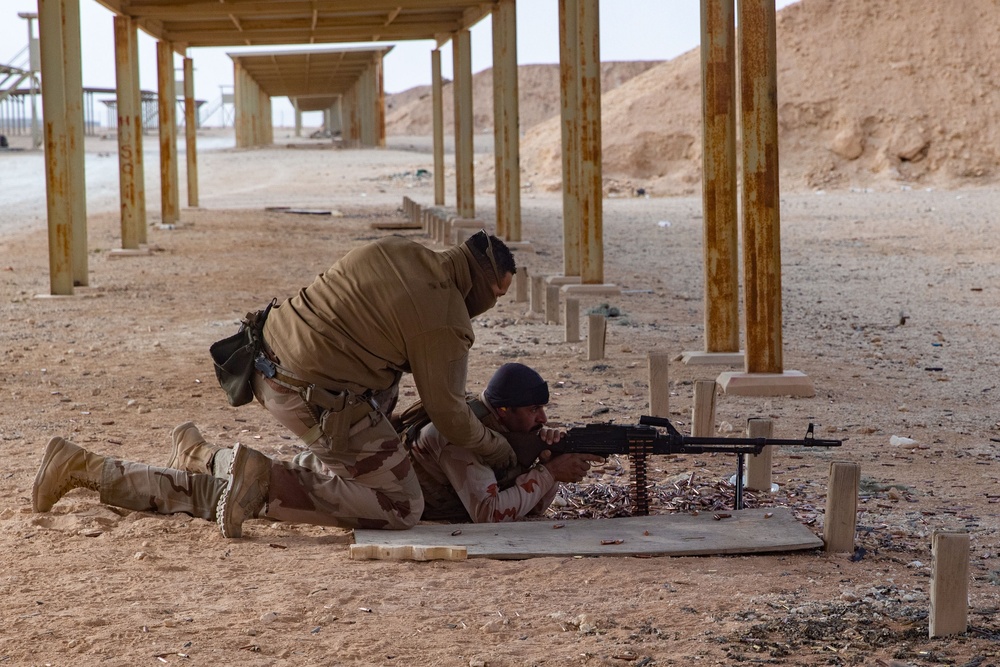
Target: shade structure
[196,23]
[316,78]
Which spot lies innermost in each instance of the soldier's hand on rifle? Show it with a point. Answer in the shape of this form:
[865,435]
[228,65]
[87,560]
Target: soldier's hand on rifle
[550,435]
[568,468]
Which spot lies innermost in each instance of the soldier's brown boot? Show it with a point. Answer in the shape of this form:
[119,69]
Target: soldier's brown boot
[191,452]
[246,494]
[64,467]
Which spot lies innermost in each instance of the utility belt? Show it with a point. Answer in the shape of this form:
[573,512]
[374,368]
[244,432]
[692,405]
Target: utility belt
[339,410]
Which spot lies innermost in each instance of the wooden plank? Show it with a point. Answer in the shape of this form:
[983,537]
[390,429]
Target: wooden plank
[406,552]
[396,225]
[747,531]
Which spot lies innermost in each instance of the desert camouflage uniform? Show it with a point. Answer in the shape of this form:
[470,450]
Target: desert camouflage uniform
[458,486]
[145,488]
[389,307]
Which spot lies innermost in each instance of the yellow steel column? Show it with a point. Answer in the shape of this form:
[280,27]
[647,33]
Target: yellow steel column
[140,133]
[761,224]
[237,103]
[50,29]
[270,119]
[437,105]
[337,117]
[263,117]
[250,109]
[721,248]
[347,111]
[380,102]
[365,106]
[568,105]
[169,197]
[371,78]
[129,132]
[506,121]
[591,183]
[75,133]
[461,43]
[190,133]
[499,157]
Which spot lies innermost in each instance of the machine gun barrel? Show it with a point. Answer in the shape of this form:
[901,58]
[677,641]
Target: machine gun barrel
[608,439]
[654,435]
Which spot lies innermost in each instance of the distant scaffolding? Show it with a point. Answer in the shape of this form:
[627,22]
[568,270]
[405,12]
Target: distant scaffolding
[150,111]
[16,116]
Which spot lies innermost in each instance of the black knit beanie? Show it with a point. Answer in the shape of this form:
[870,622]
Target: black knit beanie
[516,385]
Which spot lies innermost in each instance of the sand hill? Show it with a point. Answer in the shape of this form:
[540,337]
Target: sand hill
[871,95]
[409,112]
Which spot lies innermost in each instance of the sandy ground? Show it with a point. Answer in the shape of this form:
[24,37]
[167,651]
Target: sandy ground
[889,307]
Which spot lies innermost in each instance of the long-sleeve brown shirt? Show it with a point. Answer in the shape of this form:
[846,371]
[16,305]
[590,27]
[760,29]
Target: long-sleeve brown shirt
[388,307]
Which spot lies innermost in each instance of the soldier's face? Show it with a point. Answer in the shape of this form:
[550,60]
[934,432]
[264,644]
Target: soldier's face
[523,420]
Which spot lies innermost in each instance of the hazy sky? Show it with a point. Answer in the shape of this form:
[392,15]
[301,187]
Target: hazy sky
[630,30]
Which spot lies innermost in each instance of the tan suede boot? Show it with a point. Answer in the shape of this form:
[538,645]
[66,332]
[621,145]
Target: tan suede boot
[64,467]
[246,494]
[191,452]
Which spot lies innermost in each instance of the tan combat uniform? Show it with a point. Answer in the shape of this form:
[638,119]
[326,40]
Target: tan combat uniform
[458,486]
[386,308]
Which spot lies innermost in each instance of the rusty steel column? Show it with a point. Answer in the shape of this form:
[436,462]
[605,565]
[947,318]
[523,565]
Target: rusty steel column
[569,89]
[50,37]
[337,116]
[499,157]
[238,114]
[77,191]
[506,121]
[129,135]
[350,120]
[190,133]
[379,102]
[140,133]
[437,106]
[169,197]
[719,194]
[761,202]
[368,106]
[591,181]
[263,117]
[461,43]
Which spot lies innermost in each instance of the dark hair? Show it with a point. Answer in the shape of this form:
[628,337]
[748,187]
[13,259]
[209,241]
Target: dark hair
[482,243]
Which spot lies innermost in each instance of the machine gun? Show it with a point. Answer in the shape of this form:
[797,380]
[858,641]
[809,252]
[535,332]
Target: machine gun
[645,438]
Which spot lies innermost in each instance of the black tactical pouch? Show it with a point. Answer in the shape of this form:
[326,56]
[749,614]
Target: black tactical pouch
[234,357]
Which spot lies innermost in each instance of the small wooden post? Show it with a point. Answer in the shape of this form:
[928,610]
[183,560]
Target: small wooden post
[596,330]
[841,506]
[552,304]
[538,294]
[572,318]
[703,412]
[949,613]
[521,285]
[759,466]
[659,386]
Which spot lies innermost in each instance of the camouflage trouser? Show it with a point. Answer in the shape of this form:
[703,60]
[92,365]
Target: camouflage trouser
[367,483]
[137,486]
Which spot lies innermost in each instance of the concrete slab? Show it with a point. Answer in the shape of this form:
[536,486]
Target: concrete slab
[788,383]
[693,358]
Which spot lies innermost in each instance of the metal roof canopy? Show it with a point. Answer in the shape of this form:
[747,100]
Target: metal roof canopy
[197,23]
[303,74]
